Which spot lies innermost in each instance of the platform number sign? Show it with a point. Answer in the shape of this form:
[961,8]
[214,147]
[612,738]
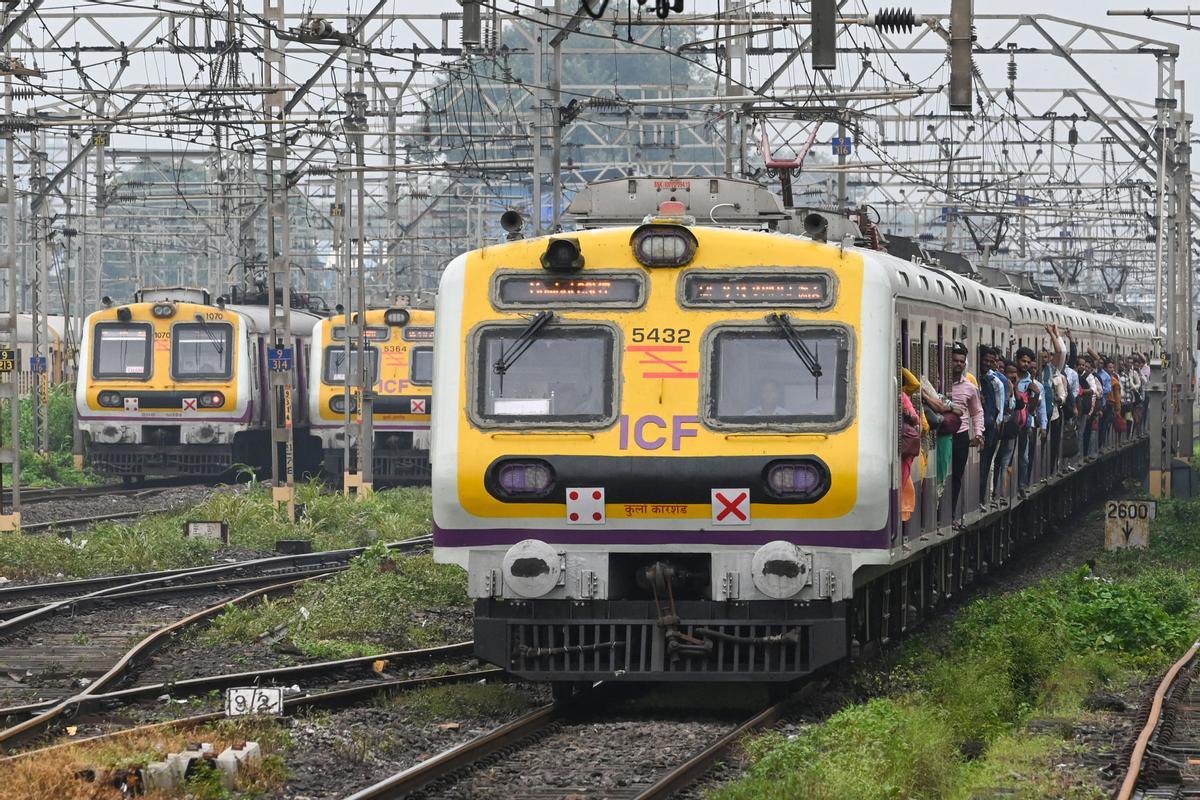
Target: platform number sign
[1127,523]
[281,359]
[842,145]
[244,701]
[8,360]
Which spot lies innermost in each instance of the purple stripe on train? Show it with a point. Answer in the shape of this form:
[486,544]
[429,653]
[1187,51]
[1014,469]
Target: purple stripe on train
[482,537]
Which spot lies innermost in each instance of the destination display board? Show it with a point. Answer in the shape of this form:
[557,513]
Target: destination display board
[539,290]
[716,289]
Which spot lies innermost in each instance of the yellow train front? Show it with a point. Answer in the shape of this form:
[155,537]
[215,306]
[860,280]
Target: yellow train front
[401,361]
[172,384]
[653,455]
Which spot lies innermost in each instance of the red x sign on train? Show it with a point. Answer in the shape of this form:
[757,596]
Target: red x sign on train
[731,506]
[189,404]
[417,406]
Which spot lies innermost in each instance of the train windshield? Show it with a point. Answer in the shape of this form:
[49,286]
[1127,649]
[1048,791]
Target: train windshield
[422,366]
[757,379]
[565,376]
[335,364]
[202,350]
[122,350]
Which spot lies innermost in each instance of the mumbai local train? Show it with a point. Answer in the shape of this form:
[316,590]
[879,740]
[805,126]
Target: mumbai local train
[400,361]
[173,384]
[671,452]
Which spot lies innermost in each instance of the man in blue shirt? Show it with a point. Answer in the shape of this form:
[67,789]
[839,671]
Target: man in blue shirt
[1106,408]
[994,392]
[1030,390]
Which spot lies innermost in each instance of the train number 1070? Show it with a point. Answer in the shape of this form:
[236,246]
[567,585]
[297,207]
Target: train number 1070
[662,335]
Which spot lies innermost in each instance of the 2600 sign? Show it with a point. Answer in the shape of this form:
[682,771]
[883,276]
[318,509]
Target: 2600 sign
[1130,509]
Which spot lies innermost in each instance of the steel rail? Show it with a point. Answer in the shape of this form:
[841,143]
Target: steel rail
[17,733]
[193,686]
[161,591]
[337,698]
[294,561]
[424,773]
[695,767]
[1138,756]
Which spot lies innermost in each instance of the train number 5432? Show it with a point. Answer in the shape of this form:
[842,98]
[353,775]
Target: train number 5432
[661,335]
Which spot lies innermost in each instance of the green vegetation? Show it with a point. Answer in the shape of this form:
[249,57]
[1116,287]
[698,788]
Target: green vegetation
[461,701]
[330,521]
[953,719]
[56,467]
[369,608]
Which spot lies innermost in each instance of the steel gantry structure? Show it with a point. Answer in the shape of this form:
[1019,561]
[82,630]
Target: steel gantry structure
[350,155]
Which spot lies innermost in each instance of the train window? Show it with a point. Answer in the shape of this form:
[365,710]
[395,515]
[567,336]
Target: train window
[758,378]
[564,375]
[335,364]
[765,289]
[122,350]
[201,351]
[421,369]
[524,290]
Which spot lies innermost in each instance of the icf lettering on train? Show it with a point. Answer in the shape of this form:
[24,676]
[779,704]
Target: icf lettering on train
[651,432]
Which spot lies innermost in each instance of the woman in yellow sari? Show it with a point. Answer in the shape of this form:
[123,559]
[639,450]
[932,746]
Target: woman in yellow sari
[910,387]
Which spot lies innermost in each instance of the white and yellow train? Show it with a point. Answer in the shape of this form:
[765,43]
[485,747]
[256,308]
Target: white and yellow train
[401,365]
[173,384]
[669,451]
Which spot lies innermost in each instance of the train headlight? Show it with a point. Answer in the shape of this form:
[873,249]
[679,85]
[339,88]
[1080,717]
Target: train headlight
[663,245]
[531,568]
[110,399]
[523,479]
[124,314]
[163,310]
[780,569]
[396,317]
[796,480]
[563,255]
[212,400]
[337,404]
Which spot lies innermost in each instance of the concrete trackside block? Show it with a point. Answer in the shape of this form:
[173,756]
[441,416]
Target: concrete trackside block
[232,759]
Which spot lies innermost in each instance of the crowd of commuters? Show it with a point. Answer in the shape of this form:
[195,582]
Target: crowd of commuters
[1056,407]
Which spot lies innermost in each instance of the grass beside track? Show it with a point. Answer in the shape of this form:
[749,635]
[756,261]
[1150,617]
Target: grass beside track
[331,521]
[383,602]
[953,718]
[56,466]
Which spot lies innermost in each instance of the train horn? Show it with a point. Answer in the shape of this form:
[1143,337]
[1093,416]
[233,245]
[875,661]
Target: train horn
[817,226]
[513,223]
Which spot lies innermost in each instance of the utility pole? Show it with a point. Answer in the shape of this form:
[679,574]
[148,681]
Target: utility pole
[40,307]
[279,290]
[356,128]
[10,359]
[556,124]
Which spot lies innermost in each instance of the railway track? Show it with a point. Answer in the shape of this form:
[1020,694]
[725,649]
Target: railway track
[92,654]
[1164,759]
[552,728]
[332,699]
[42,494]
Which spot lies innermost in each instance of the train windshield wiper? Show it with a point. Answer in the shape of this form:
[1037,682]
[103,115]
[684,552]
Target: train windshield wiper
[218,344]
[792,337]
[510,354]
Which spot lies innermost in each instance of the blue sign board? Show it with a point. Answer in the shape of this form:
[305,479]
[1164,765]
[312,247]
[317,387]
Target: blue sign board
[281,359]
[37,364]
[842,145]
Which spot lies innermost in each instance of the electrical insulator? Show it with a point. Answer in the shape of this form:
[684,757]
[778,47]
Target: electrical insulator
[1072,136]
[471,25]
[895,20]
